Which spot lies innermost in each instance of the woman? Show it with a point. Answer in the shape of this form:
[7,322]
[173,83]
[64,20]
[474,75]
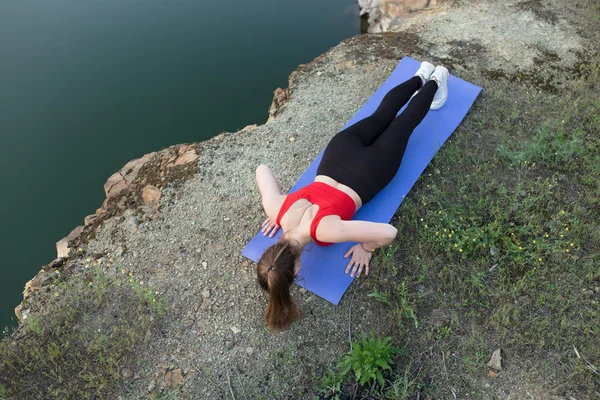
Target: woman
[357,163]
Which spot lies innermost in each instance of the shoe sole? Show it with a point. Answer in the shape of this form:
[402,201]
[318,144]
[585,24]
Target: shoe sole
[443,86]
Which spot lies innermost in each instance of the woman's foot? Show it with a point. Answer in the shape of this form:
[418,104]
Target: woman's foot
[440,76]
[425,71]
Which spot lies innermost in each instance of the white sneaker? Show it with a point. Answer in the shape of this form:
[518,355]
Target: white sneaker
[424,71]
[441,76]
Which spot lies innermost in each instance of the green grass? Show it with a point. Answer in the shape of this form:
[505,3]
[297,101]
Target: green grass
[502,232]
[75,347]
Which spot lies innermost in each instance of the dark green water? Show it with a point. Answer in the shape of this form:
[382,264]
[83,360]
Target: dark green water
[86,86]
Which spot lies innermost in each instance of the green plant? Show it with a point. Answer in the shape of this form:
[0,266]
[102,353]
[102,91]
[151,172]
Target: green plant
[331,386]
[403,386]
[368,359]
[69,348]
[403,308]
[382,297]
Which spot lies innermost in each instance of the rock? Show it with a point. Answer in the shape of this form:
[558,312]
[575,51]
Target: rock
[493,374]
[131,224]
[90,219]
[126,373]
[235,330]
[439,318]
[173,378]
[32,286]
[114,185]
[245,264]
[280,97]
[62,246]
[147,337]
[204,264]
[495,362]
[19,312]
[151,196]
[229,344]
[206,293]
[186,158]
[119,181]
[151,386]
[184,148]
[250,350]
[205,304]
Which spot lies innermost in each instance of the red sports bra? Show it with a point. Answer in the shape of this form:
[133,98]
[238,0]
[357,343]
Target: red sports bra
[330,200]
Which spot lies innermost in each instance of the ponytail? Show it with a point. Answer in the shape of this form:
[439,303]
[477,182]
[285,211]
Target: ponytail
[275,272]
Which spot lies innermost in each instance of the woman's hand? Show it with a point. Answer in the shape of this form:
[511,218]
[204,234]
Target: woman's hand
[269,228]
[360,259]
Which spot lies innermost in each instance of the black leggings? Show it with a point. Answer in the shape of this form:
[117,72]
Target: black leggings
[367,155]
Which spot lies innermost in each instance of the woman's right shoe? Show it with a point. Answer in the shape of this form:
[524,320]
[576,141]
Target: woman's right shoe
[441,76]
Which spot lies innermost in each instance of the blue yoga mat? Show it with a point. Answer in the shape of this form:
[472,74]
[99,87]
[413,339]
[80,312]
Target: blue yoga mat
[323,268]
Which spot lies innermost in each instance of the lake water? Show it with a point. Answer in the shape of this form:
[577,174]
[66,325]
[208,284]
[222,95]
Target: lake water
[86,86]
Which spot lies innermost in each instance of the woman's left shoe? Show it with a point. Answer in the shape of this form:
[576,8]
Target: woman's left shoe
[440,75]
[425,71]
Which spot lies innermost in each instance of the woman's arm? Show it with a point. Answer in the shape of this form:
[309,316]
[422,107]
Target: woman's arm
[371,234]
[272,199]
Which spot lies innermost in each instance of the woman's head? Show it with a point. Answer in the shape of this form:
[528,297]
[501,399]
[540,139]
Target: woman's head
[276,271]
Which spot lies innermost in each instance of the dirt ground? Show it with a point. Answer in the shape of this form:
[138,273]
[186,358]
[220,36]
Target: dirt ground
[189,251]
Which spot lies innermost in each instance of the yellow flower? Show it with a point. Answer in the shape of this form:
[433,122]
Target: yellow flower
[108,265]
[449,235]
[90,283]
[460,250]
[567,250]
[130,273]
[56,271]
[567,228]
[452,231]
[444,229]
[562,211]
[141,282]
[572,244]
[89,259]
[547,235]
[56,293]
[534,242]
[80,249]
[436,233]
[110,259]
[154,300]
[455,245]
[123,271]
[520,247]
[474,239]
[540,258]
[562,235]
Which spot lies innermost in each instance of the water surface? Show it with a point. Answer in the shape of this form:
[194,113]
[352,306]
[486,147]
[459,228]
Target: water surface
[86,86]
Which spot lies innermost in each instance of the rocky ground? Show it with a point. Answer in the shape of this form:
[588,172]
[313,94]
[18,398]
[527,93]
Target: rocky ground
[178,219]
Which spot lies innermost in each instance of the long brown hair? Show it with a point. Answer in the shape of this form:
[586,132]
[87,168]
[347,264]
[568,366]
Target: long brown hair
[275,272]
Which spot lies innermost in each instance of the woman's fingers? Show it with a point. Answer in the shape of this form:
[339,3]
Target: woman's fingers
[349,265]
[269,228]
[350,251]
